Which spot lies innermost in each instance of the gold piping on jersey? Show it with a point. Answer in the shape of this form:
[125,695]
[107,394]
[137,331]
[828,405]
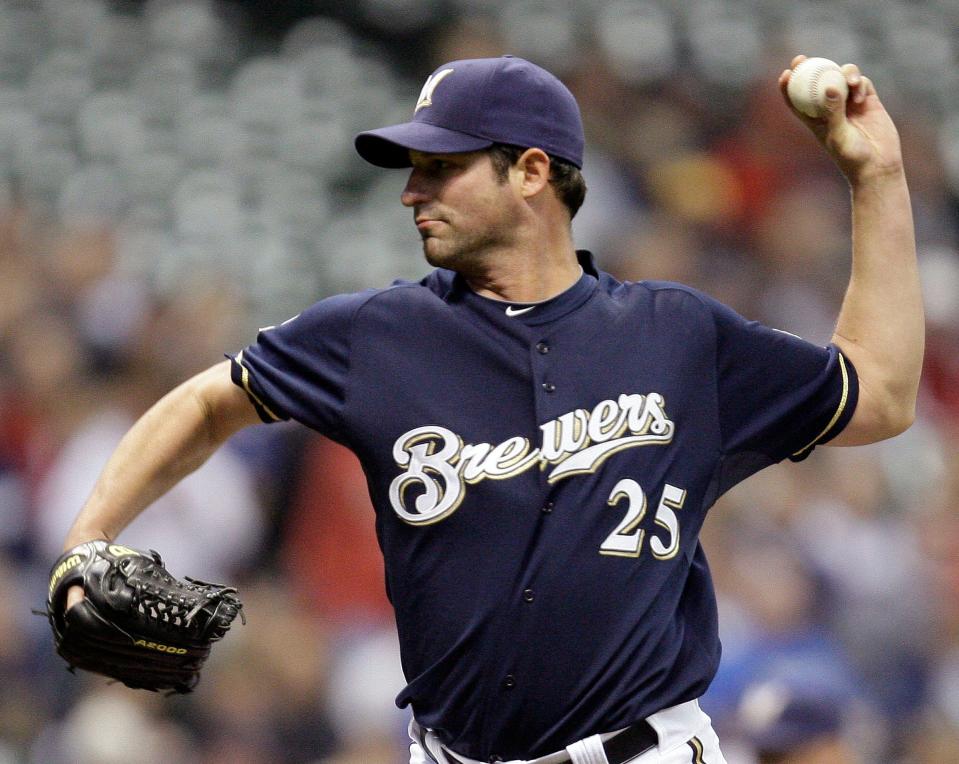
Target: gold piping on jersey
[839,410]
[697,745]
[245,378]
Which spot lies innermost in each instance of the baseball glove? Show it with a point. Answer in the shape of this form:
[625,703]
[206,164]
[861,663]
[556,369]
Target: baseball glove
[137,623]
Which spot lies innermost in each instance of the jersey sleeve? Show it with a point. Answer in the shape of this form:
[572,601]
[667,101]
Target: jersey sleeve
[299,370]
[779,396]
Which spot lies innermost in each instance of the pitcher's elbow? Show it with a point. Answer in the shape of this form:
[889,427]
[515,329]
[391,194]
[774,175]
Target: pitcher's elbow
[899,415]
[901,423]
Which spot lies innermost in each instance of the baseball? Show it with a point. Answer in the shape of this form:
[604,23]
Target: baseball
[808,83]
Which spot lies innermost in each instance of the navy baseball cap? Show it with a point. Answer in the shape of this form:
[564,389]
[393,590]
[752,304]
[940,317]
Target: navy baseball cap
[777,717]
[471,104]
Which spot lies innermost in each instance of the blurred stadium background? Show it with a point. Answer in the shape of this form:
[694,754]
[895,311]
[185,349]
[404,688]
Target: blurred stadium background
[176,173]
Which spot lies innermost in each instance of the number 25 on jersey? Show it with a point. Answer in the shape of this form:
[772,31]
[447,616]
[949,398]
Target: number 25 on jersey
[626,540]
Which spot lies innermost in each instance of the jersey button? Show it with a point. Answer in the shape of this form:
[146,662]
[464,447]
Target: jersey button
[549,387]
[528,595]
[509,681]
[547,507]
[542,348]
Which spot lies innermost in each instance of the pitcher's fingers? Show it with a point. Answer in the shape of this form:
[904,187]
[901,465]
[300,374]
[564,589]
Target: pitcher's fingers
[863,90]
[74,595]
[783,82]
[854,80]
[835,108]
[851,71]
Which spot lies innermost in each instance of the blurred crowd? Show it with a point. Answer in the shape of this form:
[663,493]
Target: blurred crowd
[175,173]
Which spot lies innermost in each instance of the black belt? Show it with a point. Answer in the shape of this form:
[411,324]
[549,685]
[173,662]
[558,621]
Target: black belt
[628,744]
[632,741]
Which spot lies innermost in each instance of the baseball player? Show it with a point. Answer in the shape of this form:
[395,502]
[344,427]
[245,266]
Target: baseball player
[541,441]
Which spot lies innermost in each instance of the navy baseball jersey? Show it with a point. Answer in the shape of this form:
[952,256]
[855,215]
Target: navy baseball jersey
[540,476]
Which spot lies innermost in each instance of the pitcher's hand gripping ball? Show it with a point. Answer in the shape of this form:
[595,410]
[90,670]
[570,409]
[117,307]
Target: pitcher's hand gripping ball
[137,623]
[808,83]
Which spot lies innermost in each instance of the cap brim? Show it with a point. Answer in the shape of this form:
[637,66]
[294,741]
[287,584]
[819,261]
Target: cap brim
[390,146]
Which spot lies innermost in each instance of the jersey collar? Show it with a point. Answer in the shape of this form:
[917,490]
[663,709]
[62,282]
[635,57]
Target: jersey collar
[536,313]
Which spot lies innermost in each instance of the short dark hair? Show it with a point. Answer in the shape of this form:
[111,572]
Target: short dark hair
[565,177]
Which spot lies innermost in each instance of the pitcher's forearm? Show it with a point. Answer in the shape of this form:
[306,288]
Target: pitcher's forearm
[171,440]
[881,326]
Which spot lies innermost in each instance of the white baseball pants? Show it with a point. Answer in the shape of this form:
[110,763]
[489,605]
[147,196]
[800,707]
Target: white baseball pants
[685,732]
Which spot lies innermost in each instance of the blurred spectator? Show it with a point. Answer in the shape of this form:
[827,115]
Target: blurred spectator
[108,725]
[937,727]
[366,677]
[869,552]
[26,693]
[266,688]
[939,268]
[211,525]
[330,551]
[801,241]
[778,633]
[790,725]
